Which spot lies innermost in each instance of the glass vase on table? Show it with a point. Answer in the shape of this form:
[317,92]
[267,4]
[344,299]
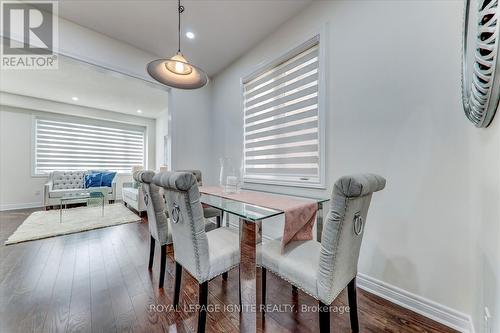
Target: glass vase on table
[230,177]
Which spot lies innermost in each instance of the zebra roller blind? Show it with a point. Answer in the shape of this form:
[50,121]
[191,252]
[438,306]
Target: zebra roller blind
[281,120]
[71,145]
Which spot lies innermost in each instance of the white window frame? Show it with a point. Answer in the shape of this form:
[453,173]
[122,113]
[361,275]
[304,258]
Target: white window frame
[322,88]
[84,120]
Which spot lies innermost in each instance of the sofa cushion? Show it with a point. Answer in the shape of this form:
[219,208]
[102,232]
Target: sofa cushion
[93,179]
[68,179]
[107,178]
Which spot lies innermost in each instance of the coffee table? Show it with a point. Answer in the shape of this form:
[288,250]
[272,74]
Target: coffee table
[88,195]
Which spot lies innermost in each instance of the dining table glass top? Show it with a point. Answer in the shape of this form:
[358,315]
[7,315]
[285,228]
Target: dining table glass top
[248,211]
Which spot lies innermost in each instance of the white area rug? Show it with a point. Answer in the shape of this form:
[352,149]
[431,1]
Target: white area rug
[44,224]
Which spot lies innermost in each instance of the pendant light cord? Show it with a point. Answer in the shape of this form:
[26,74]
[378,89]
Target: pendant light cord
[181,10]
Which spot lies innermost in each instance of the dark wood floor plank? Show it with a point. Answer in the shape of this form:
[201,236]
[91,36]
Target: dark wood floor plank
[12,275]
[58,313]
[42,295]
[80,306]
[123,310]
[21,289]
[102,316]
[98,281]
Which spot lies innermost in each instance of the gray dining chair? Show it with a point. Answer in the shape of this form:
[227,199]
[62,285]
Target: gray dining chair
[324,269]
[205,255]
[157,219]
[208,212]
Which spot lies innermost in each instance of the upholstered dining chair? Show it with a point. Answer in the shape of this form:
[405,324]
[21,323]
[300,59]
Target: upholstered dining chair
[208,212]
[204,255]
[157,219]
[324,269]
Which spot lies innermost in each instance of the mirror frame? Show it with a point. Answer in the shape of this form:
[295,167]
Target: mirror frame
[481,78]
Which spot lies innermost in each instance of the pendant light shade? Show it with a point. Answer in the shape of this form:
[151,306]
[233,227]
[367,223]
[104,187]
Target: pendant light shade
[177,72]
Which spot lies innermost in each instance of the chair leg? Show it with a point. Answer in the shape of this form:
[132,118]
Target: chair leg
[217,221]
[178,278]
[203,301]
[324,318]
[162,264]
[353,305]
[263,288]
[151,252]
[224,276]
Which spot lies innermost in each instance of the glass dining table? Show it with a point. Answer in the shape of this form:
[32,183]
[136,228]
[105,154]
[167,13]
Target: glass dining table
[250,221]
[255,213]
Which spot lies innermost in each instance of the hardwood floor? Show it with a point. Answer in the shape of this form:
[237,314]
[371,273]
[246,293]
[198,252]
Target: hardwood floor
[98,281]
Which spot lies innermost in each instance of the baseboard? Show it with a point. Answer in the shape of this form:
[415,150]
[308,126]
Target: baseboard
[20,206]
[430,309]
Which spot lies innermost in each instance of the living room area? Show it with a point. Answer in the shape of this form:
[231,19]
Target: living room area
[71,139]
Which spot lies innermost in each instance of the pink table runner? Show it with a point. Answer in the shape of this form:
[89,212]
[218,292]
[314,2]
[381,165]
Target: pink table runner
[300,215]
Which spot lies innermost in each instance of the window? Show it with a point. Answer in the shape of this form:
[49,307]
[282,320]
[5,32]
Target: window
[282,134]
[80,145]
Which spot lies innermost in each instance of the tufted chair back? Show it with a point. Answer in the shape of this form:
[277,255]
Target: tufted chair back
[187,222]
[64,180]
[343,232]
[155,207]
[196,173]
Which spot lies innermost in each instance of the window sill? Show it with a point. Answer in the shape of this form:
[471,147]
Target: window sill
[271,182]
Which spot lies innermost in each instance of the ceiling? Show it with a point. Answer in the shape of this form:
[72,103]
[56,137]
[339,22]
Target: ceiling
[224,29]
[95,87]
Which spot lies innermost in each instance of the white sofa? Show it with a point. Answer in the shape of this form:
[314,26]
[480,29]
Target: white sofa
[61,183]
[133,197]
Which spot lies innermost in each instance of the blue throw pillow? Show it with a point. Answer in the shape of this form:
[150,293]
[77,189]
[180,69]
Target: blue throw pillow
[107,178]
[93,179]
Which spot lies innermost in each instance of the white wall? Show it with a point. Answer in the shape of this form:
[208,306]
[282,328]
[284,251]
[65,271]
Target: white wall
[484,218]
[96,48]
[18,188]
[394,108]
[161,132]
[192,131]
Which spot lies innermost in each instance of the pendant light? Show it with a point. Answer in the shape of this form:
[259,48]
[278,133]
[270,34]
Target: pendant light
[177,72]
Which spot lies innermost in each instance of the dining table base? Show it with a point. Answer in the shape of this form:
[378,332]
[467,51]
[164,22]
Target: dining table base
[251,317]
